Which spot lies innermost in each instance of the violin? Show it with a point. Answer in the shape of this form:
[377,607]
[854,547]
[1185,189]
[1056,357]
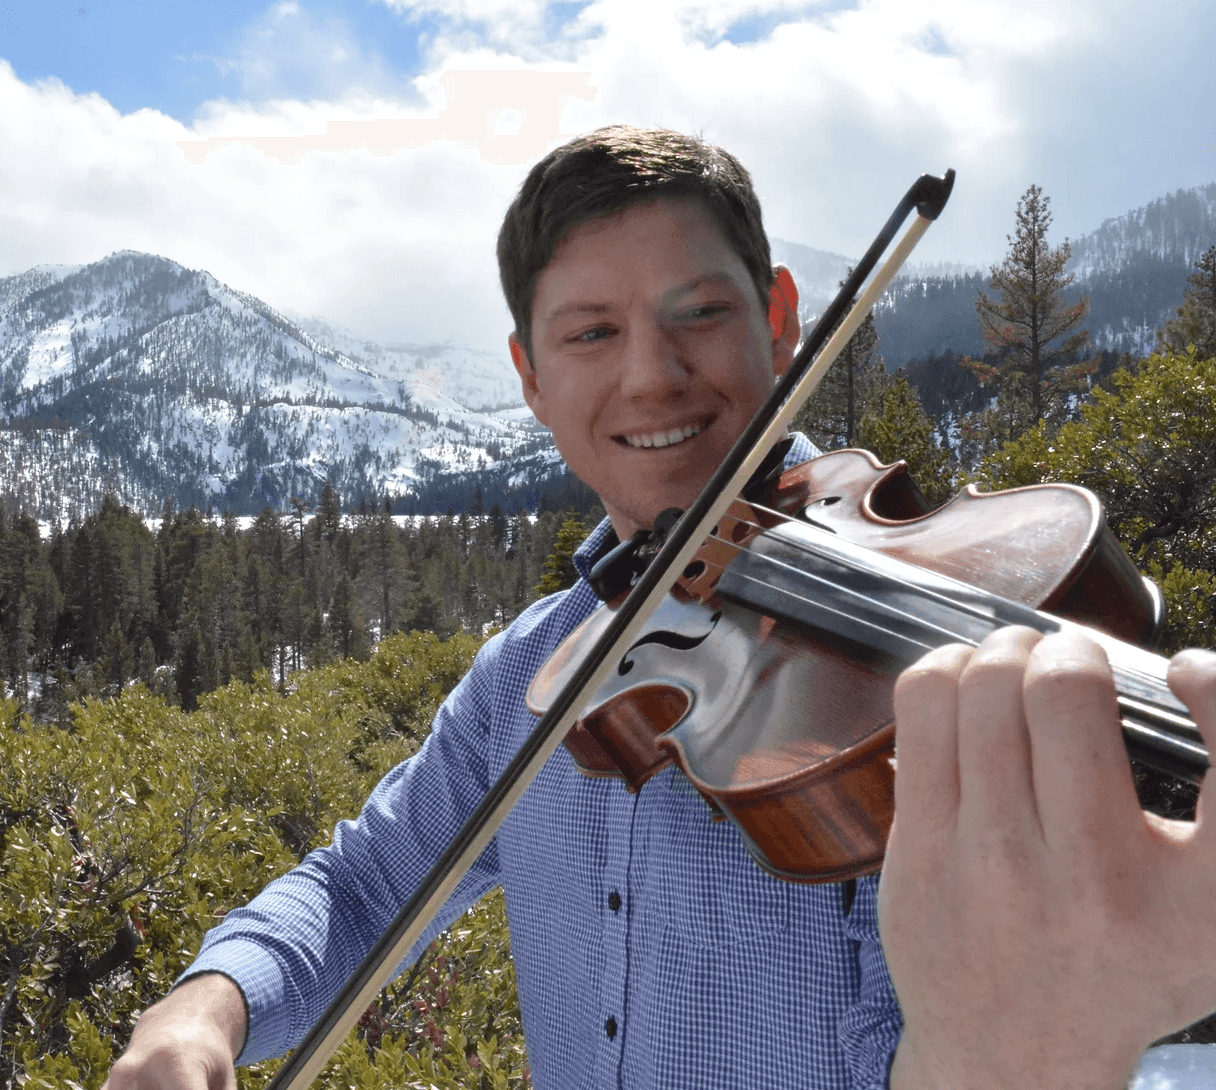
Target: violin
[767,674]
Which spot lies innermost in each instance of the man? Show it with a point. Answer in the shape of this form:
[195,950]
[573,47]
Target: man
[650,951]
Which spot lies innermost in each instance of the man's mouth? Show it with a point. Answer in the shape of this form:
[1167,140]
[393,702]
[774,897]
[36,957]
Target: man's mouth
[663,438]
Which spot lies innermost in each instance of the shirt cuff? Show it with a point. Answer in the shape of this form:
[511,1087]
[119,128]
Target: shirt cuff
[257,974]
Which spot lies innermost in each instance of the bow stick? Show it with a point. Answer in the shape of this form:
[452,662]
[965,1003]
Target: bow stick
[928,196]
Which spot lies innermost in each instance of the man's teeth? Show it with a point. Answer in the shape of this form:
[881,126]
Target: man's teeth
[664,438]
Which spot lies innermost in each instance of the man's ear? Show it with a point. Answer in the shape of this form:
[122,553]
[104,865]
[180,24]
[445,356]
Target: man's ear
[783,318]
[527,379]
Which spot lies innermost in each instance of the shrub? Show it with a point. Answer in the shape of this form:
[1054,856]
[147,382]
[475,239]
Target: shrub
[127,834]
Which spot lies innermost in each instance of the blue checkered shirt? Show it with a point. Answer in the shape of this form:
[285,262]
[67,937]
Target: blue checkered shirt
[650,951]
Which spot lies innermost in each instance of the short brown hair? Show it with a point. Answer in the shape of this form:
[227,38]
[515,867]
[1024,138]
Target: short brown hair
[609,170]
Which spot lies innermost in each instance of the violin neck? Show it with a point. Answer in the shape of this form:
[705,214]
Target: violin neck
[1156,727]
[899,611]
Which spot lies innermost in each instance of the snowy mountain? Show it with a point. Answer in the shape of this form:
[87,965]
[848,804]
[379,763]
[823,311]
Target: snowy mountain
[136,375]
[1134,267]
[818,274]
[1174,229]
[483,381]
[157,381]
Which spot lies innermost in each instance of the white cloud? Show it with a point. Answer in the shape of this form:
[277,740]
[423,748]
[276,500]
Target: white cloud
[527,30]
[399,248]
[289,53]
[835,108]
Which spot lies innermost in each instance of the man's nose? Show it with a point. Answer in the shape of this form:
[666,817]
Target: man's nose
[652,363]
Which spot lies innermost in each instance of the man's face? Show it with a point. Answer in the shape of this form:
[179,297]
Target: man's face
[650,354]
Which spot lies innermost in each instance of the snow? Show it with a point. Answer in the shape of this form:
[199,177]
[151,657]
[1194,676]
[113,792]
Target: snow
[327,402]
[475,379]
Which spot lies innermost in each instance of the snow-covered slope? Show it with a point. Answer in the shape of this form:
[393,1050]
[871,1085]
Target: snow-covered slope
[474,379]
[173,384]
[1173,230]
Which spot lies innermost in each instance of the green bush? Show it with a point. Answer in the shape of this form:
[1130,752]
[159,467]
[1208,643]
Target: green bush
[125,836]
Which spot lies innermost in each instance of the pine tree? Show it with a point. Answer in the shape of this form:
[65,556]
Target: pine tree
[383,574]
[117,662]
[898,427]
[145,670]
[831,417]
[1032,333]
[1196,318]
[343,623]
[298,597]
[559,571]
[329,511]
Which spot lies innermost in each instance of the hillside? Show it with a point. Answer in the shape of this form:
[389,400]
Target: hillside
[157,381]
[1133,268]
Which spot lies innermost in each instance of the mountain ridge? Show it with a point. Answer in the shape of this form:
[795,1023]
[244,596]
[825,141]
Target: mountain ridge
[183,387]
[137,375]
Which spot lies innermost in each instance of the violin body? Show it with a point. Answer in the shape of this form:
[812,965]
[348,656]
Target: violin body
[775,700]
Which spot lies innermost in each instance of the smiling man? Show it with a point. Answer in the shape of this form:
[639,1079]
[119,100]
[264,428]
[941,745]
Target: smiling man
[650,950]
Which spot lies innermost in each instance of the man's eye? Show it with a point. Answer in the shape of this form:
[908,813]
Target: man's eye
[706,310]
[587,336]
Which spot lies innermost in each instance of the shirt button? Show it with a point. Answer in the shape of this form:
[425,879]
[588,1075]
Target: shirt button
[610,1028]
[614,901]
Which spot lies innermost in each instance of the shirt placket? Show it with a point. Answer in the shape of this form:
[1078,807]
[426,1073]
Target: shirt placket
[616,914]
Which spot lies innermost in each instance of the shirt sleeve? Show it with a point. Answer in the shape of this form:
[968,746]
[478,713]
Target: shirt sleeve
[870,1031]
[293,946]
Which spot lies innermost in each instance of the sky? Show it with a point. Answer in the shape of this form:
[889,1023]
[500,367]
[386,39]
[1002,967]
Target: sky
[352,159]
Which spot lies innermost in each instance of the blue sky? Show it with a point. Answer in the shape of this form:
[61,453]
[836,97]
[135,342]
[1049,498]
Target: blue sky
[352,158]
[173,56]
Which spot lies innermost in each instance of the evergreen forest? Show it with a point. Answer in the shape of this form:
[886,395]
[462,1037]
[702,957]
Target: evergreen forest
[197,602]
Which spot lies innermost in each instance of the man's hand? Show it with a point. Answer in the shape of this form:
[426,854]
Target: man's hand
[187,1041]
[1041,931]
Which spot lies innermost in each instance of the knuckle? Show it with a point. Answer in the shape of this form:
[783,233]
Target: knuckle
[1070,686]
[938,667]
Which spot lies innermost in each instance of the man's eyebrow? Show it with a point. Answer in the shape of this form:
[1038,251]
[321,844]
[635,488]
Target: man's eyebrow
[578,308]
[709,279]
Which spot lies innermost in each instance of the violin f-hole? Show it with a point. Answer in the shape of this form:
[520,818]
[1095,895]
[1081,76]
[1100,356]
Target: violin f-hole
[677,641]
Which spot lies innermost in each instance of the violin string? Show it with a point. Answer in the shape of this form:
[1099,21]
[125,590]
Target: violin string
[1144,679]
[882,607]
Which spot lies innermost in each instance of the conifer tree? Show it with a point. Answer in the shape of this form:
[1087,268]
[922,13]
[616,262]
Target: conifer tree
[117,663]
[329,511]
[145,670]
[1032,333]
[383,574]
[1196,318]
[298,597]
[343,621]
[831,417]
[898,427]
[559,571]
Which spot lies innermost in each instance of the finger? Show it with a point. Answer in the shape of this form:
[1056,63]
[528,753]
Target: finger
[1192,677]
[1083,783]
[996,786]
[926,739]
